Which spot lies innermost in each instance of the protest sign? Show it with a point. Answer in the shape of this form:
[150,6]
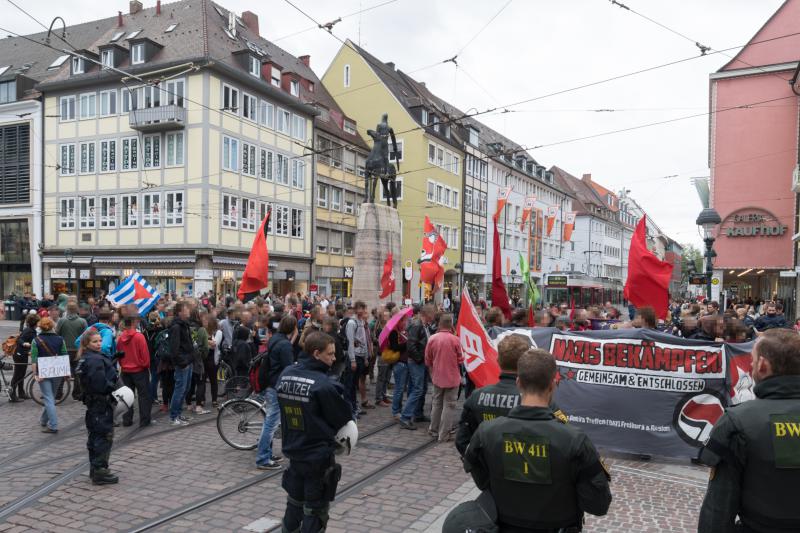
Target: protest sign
[53,367]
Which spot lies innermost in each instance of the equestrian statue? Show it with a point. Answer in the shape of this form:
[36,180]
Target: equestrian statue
[378,163]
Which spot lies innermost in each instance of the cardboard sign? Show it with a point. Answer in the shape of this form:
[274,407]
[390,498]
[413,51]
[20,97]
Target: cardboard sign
[53,367]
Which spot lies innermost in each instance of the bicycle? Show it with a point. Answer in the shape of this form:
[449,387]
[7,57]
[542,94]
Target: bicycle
[230,385]
[33,392]
[240,420]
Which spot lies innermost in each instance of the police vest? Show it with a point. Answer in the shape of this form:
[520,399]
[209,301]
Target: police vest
[495,400]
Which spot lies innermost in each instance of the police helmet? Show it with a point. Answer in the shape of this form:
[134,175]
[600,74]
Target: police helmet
[124,397]
[346,438]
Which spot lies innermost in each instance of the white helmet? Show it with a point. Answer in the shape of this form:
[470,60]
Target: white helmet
[346,438]
[124,396]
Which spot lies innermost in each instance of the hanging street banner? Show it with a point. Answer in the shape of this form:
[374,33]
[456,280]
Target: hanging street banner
[643,391]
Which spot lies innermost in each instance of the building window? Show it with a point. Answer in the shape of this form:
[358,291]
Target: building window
[88,213]
[263,209]
[284,121]
[454,199]
[230,211]
[67,160]
[78,65]
[66,214]
[349,202]
[130,211]
[299,127]
[335,242]
[151,209]
[446,197]
[8,90]
[392,155]
[137,54]
[175,149]
[349,243]
[175,92]
[281,220]
[336,199]
[107,58]
[130,153]
[255,66]
[230,99]
[249,107]
[282,169]
[265,165]
[275,76]
[173,210]
[431,154]
[322,240]
[108,155]
[108,212]
[398,183]
[152,151]
[108,103]
[15,163]
[171,27]
[248,214]
[322,195]
[347,75]
[248,159]
[88,105]
[474,139]
[439,193]
[350,127]
[230,153]
[298,174]
[431,191]
[88,157]
[453,238]
[267,114]
[294,88]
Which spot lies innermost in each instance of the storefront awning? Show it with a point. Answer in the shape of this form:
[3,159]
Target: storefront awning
[236,261]
[127,259]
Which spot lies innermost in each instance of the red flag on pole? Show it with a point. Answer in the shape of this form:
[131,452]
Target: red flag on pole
[499,294]
[502,198]
[648,276]
[480,355]
[431,259]
[530,203]
[552,213]
[256,272]
[531,317]
[569,226]
[387,279]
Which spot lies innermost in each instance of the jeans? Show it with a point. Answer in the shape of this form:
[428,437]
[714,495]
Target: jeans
[384,371]
[138,382]
[49,386]
[400,379]
[444,406]
[182,378]
[350,384]
[416,380]
[264,454]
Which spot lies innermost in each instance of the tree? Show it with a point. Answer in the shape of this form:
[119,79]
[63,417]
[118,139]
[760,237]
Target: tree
[691,256]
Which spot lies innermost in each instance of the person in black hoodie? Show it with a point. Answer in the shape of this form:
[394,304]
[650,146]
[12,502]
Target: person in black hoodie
[16,391]
[280,355]
[312,409]
[182,350]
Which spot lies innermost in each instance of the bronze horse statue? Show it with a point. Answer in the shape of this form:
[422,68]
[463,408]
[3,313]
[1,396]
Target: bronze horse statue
[378,164]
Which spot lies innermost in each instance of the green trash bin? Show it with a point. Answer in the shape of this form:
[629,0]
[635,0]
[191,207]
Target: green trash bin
[13,311]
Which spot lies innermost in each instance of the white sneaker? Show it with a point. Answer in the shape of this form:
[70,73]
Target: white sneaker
[201,411]
[179,422]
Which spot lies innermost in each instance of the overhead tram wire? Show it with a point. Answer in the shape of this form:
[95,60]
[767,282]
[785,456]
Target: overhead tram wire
[475,36]
[341,17]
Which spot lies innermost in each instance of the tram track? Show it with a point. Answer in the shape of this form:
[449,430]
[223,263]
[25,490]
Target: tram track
[255,480]
[43,444]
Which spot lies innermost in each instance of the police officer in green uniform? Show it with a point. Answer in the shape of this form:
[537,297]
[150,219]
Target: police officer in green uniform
[313,409]
[491,401]
[754,448]
[538,474]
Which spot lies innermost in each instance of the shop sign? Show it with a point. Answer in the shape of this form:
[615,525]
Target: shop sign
[166,272]
[788,274]
[85,274]
[228,274]
[408,270]
[313,289]
[64,273]
[203,273]
[697,279]
[348,272]
[557,281]
[107,272]
[752,222]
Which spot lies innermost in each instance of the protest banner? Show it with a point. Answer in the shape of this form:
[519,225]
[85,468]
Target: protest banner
[53,367]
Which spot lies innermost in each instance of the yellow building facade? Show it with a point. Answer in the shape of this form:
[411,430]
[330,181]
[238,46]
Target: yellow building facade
[431,163]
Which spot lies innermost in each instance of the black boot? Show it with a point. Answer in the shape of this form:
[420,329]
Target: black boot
[101,476]
[12,397]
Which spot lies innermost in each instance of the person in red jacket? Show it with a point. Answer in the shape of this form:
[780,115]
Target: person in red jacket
[443,356]
[135,369]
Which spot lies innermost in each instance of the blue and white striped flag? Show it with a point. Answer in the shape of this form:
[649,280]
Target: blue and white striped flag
[134,290]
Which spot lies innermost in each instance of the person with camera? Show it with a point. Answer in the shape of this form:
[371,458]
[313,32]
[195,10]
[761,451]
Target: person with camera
[312,409]
[98,377]
[134,359]
[182,349]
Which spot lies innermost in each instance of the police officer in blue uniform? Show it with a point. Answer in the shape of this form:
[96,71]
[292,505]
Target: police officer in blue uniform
[313,409]
[98,377]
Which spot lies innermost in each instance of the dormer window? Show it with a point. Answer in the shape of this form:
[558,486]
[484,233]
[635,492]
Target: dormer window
[424,116]
[349,127]
[107,58]
[294,87]
[137,54]
[254,66]
[275,76]
[78,65]
[474,139]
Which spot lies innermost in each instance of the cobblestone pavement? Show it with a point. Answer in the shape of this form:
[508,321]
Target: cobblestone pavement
[44,482]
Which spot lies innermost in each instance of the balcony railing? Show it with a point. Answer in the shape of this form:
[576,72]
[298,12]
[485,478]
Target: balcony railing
[162,118]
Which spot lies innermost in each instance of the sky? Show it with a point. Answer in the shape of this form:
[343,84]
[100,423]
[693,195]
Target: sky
[533,48]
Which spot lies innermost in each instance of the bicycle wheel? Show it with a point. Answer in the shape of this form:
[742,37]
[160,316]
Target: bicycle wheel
[237,387]
[239,423]
[224,372]
[36,394]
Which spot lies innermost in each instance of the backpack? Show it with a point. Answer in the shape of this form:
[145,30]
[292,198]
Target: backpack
[195,331]
[163,351]
[10,345]
[342,334]
[258,372]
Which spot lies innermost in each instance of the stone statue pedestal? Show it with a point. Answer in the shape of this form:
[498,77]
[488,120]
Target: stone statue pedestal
[378,234]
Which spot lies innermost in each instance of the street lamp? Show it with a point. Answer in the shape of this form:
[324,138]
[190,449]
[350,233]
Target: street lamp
[68,254]
[709,219]
[458,268]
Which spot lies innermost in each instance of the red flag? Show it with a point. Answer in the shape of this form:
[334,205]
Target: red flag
[530,203]
[531,317]
[569,226]
[552,212]
[431,269]
[256,272]
[139,292]
[648,276]
[502,198]
[387,280]
[480,355]
[499,294]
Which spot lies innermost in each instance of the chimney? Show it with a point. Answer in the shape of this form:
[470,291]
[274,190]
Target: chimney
[119,19]
[158,7]
[587,178]
[306,60]
[135,6]
[250,20]
[390,65]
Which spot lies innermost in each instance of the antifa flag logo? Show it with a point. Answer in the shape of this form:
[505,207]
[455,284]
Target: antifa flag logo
[526,334]
[695,417]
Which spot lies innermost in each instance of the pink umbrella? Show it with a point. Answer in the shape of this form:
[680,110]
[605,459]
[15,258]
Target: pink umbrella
[383,338]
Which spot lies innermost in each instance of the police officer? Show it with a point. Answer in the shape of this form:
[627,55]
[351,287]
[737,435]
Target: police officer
[313,408]
[754,448]
[537,473]
[98,376]
[491,401]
